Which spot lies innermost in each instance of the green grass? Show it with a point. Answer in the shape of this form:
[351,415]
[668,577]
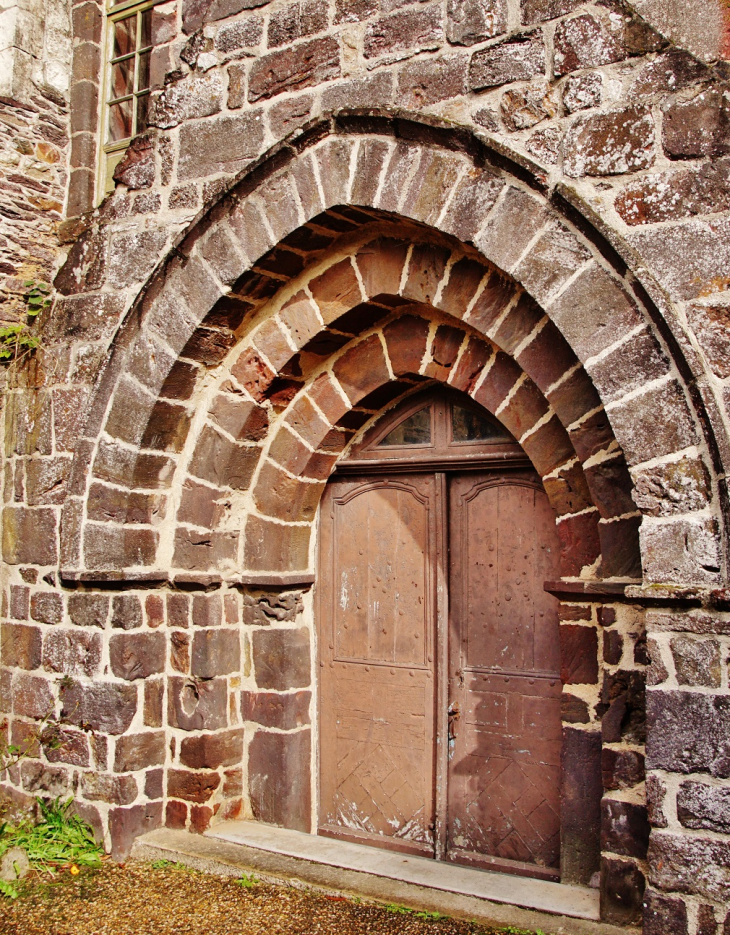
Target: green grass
[59,839]
[247,882]
[162,864]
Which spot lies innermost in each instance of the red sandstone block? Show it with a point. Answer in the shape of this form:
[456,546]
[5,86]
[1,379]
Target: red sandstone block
[444,351]
[333,158]
[299,66]
[21,645]
[465,277]
[381,266]
[271,709]
[307,422]
[524,409]
[278,495]
[568,492]
[301,319]
[492,301]
[406,340]
[425,272]
[547,357]
[336,291]
[271,341]
[431,186]
[221,462]
[193,786]
[203,551]
[575,396]
[275,547]
[578,655]
[579,543]
[176,815]
[362,369]
[210,751]
[501,377]
[216,651]
[253,373]
[549,447]
[471,363]
[519,322]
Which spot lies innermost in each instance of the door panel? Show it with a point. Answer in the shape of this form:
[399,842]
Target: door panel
[377,612]
[504,752]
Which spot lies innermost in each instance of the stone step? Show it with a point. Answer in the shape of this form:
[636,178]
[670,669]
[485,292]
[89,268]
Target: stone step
[279,855]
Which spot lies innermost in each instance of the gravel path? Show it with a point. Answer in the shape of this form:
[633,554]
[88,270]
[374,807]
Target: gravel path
[138,899]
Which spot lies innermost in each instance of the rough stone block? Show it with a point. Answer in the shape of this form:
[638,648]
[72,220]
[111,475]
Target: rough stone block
[698,127]
[578,655]
[279,771]
[703,806]
[125,824]
[624,828]
[690,259]
[275,547]
[622,891]
[138,751]
[281,659]
[362,369]
[682,551]
[224,144]
[431,186]
[537,11]
[584,42]
[116,790]
[624,704]
[690,732]
[72,653]
[21,645]
[281,711]
[690,864]
[420,29]
[573,710]
[472,21]
[697,662]
[209,751]
[594,312]
[300,66]
[220,461]
[29,536]
[46,607]
[137,655]
[103,706]
[518,59]
[610,144]
[669,196]
[31,696]
[197,705]
[215,652]
[622,769]
[711,325]
[581,790]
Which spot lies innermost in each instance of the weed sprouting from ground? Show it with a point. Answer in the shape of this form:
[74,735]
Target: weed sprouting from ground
[59,839]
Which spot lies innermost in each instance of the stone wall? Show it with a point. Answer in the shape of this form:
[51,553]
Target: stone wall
[546,230]
[35,66]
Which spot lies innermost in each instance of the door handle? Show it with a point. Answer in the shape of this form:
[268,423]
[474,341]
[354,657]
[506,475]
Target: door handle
[454,716]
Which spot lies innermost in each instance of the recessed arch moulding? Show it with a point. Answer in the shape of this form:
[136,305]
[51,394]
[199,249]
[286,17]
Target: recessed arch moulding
[336,277]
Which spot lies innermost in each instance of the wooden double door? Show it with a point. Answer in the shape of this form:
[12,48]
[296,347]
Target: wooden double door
[439,664]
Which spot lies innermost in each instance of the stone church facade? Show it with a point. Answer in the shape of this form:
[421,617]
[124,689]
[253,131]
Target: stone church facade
[268,225]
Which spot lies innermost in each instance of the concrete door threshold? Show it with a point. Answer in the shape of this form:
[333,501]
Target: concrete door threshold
[276,854]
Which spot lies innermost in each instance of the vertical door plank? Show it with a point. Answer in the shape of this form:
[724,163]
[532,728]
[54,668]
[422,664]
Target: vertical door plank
[504,806]
[377,620]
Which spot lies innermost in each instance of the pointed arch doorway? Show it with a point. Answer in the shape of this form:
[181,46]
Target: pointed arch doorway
[439,689]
